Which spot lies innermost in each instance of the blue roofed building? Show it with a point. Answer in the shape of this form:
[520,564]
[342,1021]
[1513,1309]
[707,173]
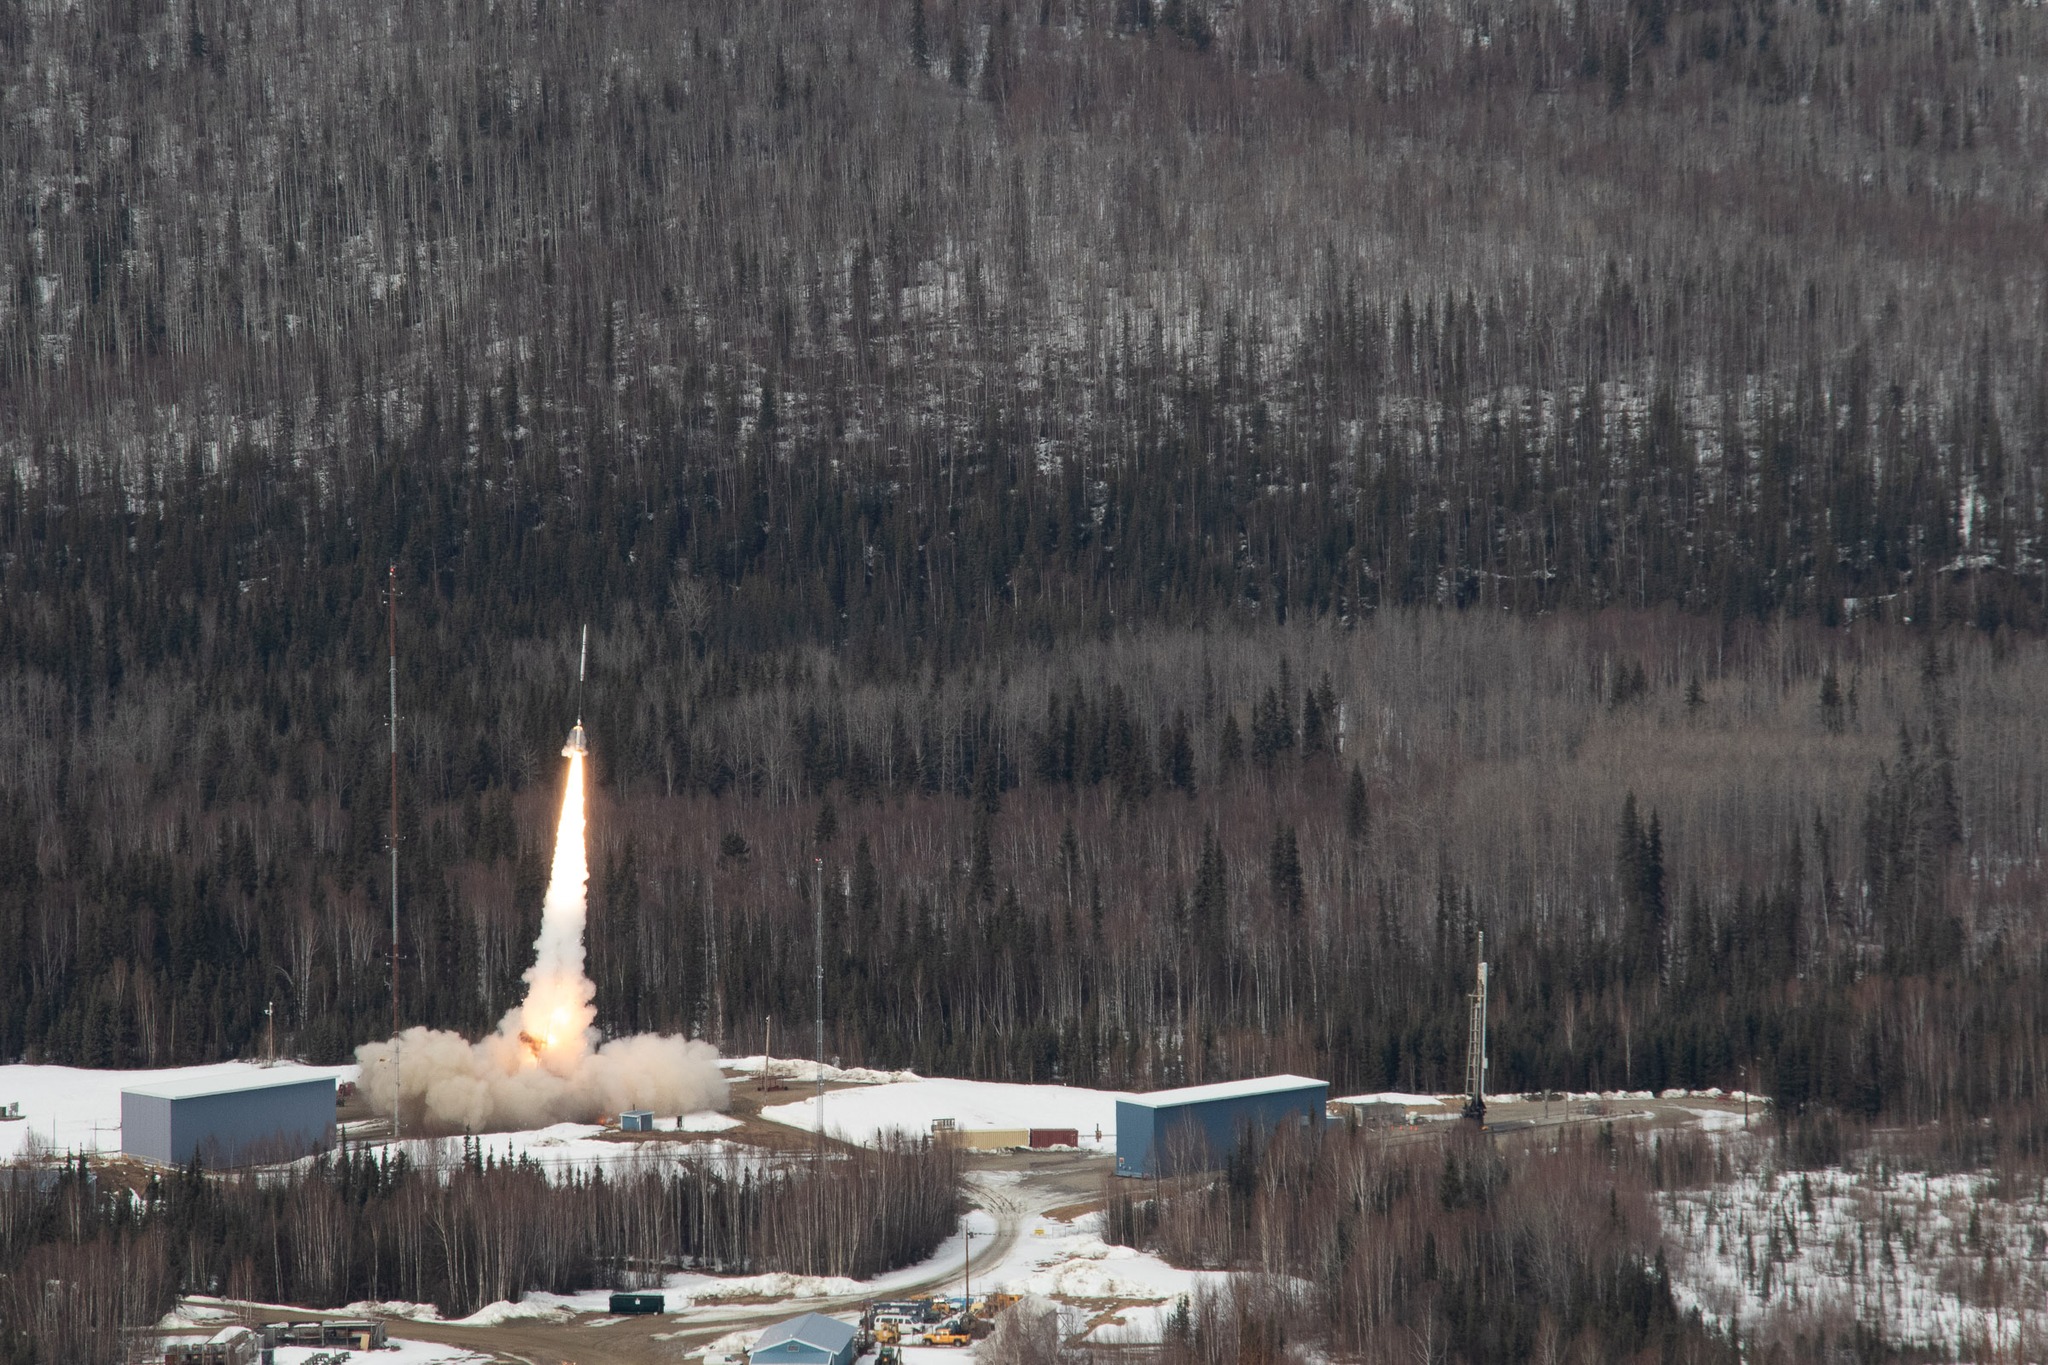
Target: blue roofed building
[812,1339]
[1199,1126]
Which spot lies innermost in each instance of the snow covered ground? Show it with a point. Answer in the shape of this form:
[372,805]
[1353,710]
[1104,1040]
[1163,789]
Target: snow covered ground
[1401,1098]
[207,1316]
[69,1109]
[1938,1260]
[908,1107]
[569,1148]
[1113,1293]
[795,1069]
[400,1352]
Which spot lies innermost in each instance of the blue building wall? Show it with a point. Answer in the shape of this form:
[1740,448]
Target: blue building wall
[1162,1139]
[229,1127]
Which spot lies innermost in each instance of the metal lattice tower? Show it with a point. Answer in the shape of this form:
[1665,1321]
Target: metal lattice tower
[1475,1047]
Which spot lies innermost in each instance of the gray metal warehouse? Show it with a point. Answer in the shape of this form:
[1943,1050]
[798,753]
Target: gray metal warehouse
[1199,1126]
[812,1339]
[227,1121]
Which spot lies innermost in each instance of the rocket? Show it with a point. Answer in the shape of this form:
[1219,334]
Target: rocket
[578,743]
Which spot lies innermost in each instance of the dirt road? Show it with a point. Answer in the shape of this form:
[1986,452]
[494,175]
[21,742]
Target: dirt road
[659,1340]
[1011,1188]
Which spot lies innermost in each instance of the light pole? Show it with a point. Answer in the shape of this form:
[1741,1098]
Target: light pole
[967,1236]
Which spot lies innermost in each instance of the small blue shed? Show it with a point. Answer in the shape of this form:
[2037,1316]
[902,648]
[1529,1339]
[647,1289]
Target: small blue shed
[812,1339]
[227,1120]
[1199,1126]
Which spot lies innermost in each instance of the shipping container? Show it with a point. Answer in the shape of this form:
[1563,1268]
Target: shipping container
[1055,1137]
[639,1303]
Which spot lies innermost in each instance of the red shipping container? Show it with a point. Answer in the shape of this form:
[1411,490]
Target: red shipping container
[1055,1137]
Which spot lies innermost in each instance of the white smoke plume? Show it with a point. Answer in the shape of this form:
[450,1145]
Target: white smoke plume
[545,1063]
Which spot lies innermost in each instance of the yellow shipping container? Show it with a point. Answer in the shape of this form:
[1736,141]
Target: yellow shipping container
[993,1139]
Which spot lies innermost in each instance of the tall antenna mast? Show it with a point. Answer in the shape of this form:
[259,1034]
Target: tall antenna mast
[1475,1052]
[391,598]
[818,1003]
[818,984]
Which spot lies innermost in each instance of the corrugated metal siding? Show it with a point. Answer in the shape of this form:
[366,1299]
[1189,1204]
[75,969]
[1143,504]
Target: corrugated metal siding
[1160,1141]
[230,1128]
[146,1127]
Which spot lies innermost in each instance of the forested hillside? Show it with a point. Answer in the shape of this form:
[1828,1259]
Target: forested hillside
[1189,510]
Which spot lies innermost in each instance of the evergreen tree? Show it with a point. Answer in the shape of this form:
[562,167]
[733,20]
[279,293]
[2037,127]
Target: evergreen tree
[1283,868]
[1357,810]
[1229,747]
[1831,713]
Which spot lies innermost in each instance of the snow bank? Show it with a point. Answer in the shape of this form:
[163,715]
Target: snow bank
[1087,1267]
[798,1069]
[1404,1100]
[397,1352]
[394,1308]
[504,1310]
[1717,1120]
[908,1107]
[777,1286]
[563,1149]
[721,1349]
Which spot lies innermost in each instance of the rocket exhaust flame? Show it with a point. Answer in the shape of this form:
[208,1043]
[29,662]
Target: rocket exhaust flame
[545,1064]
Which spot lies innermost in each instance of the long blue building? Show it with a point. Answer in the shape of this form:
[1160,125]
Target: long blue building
[1197,1127]
[227,1121]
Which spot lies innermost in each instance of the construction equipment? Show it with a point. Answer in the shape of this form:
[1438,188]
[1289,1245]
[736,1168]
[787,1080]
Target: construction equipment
[889,1353]
[888,1333]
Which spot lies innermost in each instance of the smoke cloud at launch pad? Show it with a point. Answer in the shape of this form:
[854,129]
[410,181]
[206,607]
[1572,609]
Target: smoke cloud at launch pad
[544,1064]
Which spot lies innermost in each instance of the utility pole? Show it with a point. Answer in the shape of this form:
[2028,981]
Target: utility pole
[967,1237]
[818,990]
[391,599]
[1475,1052]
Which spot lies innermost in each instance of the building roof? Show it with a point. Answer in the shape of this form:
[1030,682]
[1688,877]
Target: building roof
[1224,1090]
[191,1087]
[812,1329]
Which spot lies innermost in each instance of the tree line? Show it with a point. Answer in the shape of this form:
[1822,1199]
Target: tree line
[1454,1247]
[354,1225]
[1700,852]
[1173,677]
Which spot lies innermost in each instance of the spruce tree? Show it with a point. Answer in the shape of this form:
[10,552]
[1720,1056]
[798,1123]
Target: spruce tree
[1357,810]
[1283,868]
